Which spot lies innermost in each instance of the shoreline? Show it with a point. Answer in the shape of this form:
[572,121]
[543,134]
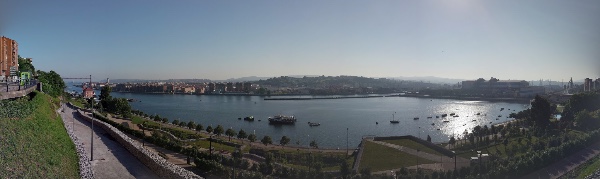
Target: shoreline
[347,96]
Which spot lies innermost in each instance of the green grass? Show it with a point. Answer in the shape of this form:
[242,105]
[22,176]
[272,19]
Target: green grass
[37,146]
[77,102]
[205,144]
[379,158]
[588,169]
[413,145]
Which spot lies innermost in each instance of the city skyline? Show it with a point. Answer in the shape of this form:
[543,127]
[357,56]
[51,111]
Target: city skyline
[220,40]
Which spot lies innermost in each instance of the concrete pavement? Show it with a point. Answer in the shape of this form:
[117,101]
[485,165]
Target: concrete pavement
[111,160]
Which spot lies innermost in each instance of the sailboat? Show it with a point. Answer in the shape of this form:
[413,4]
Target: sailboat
[394,121]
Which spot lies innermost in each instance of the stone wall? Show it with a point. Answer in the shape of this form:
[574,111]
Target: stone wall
[156,163]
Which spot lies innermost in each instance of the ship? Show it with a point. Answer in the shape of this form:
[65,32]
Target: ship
[281,119]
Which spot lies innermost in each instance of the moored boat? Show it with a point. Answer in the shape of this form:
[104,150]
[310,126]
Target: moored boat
[281,119]
[314,124]
[249,118]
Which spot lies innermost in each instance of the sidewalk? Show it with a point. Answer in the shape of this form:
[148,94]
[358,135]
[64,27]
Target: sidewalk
[111,160]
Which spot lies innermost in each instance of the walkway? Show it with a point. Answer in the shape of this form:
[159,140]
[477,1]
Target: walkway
[111,160]
[567,164]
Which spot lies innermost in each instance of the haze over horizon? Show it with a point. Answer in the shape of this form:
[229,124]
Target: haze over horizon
[525,40]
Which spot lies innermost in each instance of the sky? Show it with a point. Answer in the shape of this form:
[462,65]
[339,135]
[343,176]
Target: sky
[462,39]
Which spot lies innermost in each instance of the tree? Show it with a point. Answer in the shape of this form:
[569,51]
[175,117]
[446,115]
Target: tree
[230,132]
[541,110]
[344,168]
[314,144]
[209,129]
[182,124]
[218,130]
[252,137]
[175,122]
[199,127]
[105,93]
[191,125]
[165,120]
[25,65]
[284,140]
[242,134]
[157,118]
[266,140]
[579,102]
[428,138]
[588,120]
[452,141]
[122,107]
[53,84]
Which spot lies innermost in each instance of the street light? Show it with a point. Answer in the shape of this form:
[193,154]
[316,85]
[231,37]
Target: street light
[454,152]
[144,133]
[92,131]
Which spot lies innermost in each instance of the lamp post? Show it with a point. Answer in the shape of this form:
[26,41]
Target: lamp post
[210,146]
[92,105]
[346,141]
[144,133]
[454,152]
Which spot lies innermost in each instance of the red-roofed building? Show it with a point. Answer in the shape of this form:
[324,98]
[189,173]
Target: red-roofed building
[88,92]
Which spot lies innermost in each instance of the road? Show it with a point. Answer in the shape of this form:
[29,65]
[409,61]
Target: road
[111,160]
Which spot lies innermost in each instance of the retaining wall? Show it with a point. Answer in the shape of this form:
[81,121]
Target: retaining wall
[152,160]
[16,94]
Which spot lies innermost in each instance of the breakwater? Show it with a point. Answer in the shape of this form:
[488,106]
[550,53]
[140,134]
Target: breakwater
[332,97]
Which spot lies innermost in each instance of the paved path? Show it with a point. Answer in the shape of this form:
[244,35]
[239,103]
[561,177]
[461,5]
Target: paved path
[111,160]
[567,164]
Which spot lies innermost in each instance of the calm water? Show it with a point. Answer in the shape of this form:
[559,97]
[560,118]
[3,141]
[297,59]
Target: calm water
[358,115]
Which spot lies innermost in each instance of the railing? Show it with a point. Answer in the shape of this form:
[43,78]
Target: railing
[14,90]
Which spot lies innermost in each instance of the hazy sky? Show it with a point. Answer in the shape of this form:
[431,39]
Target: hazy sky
[147,39]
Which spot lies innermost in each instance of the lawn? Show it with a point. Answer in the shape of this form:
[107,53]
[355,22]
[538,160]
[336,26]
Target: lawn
[37,146]
[413,145]
[379,158]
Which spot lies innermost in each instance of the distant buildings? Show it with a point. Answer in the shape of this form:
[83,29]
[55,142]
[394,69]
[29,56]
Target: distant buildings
[591,85]
[187,88]
[88,92]
[9,59]
[496,87]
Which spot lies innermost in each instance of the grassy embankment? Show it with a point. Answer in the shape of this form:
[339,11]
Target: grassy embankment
[35,144]
[379,157]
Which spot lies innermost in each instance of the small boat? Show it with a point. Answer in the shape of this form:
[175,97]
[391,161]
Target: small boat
[313,124]
[455,116]
[429,117]
[501,109]
[394,121]
[474,120]
[432,124]
[376,123]
[444,115]
[452,114]
[249,118]
[490,122]
[416,118]
[446,121]
[239,118]
[496,118]
[499,115]
[438,129]
[478,114]
[437,117]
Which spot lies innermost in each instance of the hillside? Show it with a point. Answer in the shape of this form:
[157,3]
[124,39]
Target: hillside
[33,140]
